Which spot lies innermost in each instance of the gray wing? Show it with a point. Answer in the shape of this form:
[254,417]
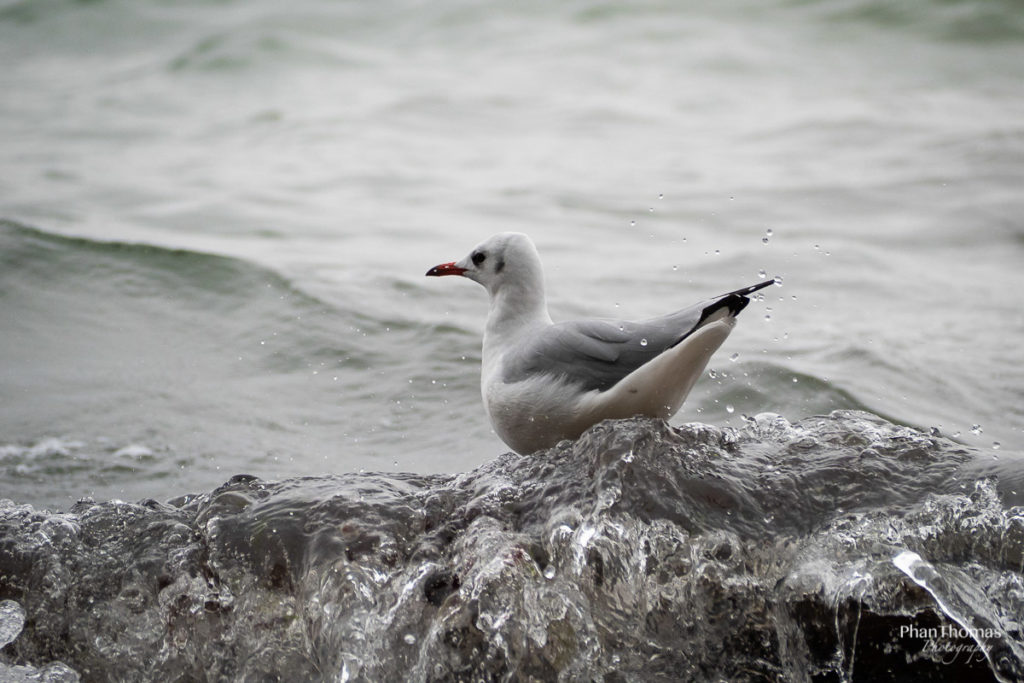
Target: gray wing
[596,354]
[593,354]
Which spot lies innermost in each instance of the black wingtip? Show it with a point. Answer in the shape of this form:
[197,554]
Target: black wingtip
[746,291]
[735,301]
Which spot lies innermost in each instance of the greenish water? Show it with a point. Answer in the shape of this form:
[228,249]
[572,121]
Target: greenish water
[218,215]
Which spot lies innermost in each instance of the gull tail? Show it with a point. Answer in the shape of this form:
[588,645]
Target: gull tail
[725,306]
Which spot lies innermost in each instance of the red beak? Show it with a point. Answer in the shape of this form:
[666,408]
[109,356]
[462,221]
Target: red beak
[446,269]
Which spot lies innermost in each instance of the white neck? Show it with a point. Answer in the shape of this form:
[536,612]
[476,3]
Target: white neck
[515,308]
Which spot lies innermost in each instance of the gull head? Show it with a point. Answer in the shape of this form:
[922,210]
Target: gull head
[505,261]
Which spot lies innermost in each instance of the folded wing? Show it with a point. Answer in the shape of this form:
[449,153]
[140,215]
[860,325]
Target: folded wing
[596,354]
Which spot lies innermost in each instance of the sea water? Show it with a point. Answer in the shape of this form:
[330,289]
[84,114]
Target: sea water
[218,216]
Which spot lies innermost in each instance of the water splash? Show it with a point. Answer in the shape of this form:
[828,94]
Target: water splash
[640,549]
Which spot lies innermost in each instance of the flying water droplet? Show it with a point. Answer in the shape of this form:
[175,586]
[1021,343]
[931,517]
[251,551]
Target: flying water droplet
[778,280]
[996,445]
[643,342]
[976,429]
[733,357]
[712,374]
[409,639]
[549,572]
[762,273]
[729,409]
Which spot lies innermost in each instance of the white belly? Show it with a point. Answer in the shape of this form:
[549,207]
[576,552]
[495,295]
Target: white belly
[535,413]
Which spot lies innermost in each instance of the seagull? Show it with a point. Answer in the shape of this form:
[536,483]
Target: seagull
[543,382]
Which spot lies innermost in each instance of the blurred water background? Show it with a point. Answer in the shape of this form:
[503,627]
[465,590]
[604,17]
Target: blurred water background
[217,216]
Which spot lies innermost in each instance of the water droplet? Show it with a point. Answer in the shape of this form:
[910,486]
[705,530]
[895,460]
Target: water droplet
[643,342]
[729,409]
[549,572]
[733,357]
[778,280]
[765,240]
[769,232]
[996,445]
[661,196]
[795,380]
[409,639]
[762,273]
[976,429]
[632,224]
[712,374]
[675,267]
[717,252]
[767,317]
[650,209]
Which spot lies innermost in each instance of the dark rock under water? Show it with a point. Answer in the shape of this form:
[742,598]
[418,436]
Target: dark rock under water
[836,548]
